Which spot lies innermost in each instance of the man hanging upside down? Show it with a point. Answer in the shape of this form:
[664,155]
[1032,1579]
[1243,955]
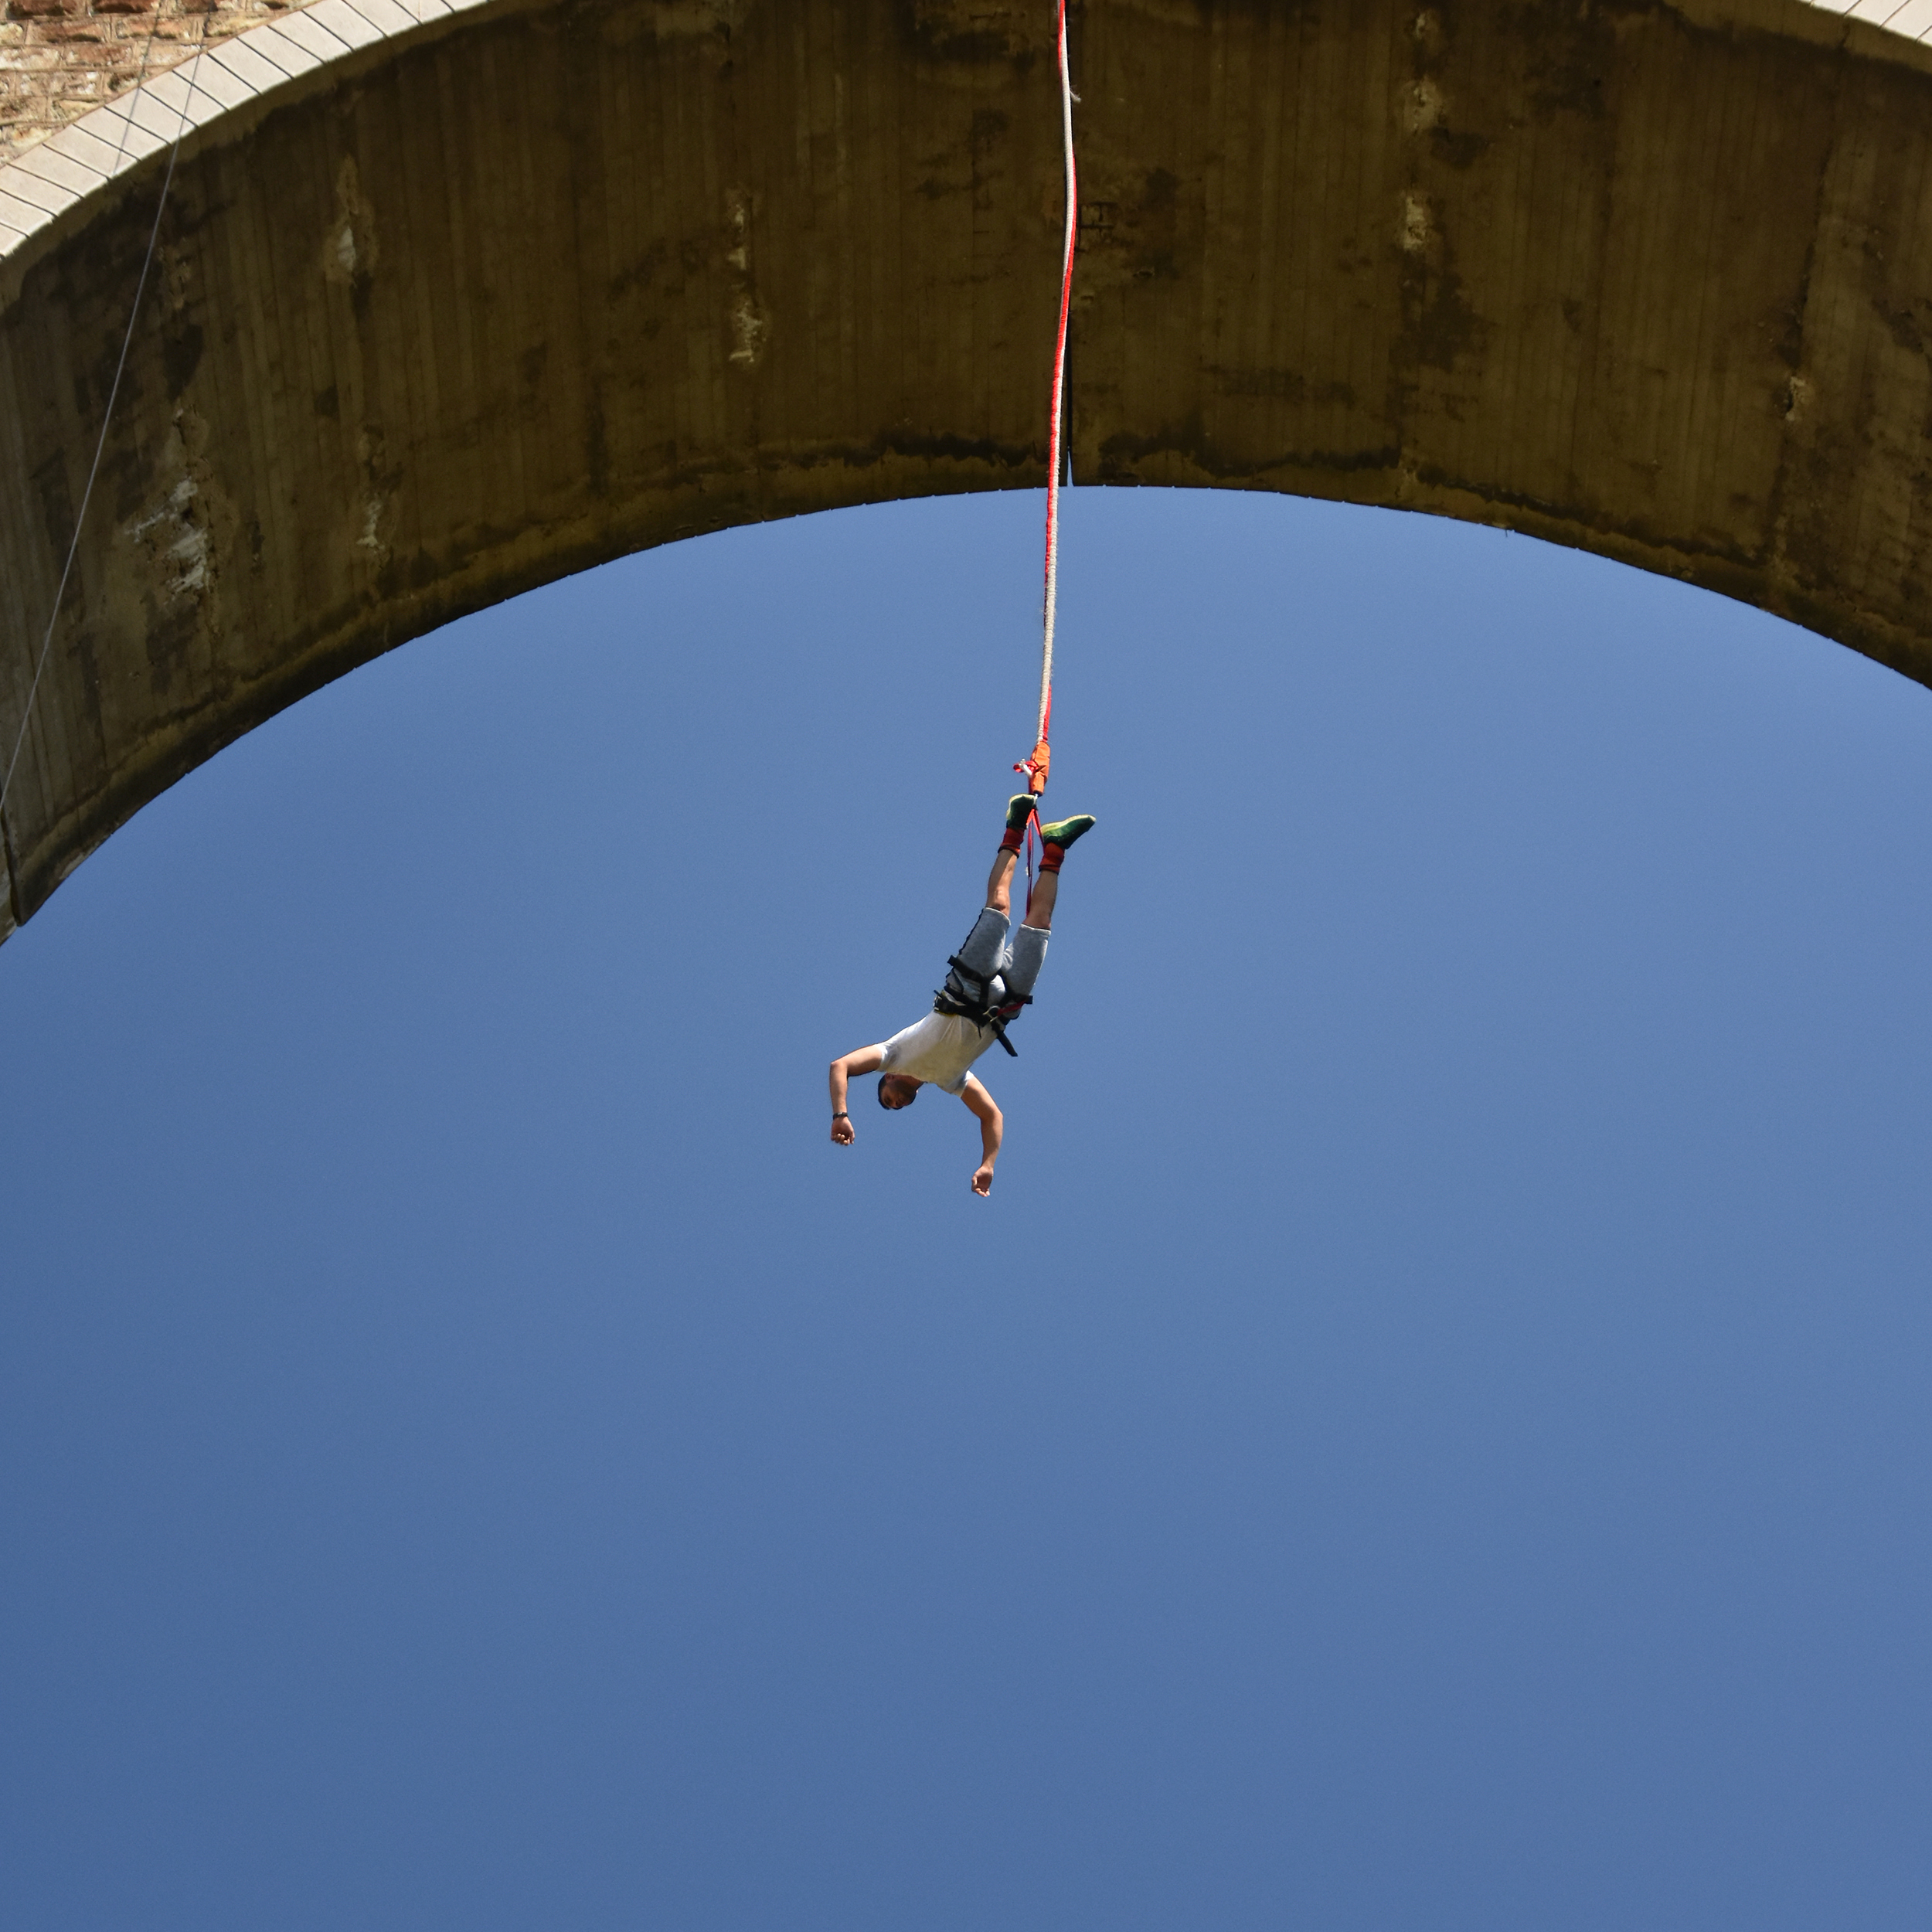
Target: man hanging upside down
[990,978]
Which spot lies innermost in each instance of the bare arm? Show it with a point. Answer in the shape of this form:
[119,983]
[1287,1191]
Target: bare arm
[992,1125]
[866,1060]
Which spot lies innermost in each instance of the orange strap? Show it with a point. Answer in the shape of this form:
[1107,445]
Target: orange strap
[1035,768]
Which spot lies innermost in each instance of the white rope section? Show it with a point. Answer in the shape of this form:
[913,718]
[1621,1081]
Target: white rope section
[1054,441]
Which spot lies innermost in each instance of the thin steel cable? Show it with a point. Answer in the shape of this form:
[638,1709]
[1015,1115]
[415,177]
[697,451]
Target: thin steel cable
[127,341]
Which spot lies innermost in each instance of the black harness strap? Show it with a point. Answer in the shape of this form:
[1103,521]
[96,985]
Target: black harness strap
[981,1011]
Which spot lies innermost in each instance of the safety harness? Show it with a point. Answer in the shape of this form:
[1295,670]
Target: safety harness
[980,1009]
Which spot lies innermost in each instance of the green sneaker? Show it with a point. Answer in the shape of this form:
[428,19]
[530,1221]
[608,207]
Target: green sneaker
[1062,832]
[1019,808]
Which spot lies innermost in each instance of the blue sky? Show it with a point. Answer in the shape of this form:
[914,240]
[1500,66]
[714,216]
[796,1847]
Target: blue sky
[1428,1432]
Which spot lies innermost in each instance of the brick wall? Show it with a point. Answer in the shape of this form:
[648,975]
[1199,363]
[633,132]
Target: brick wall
[59,58]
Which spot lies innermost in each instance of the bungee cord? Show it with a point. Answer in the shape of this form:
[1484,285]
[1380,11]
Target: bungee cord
[1036,766]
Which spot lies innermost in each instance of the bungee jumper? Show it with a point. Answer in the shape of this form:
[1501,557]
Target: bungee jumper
[989,981]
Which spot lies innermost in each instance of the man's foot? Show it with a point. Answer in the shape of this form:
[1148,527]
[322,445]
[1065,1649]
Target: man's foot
[1057,836]
[1062,832]
[1019,809]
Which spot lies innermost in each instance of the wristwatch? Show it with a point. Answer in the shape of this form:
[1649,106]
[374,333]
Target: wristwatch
[841,1115]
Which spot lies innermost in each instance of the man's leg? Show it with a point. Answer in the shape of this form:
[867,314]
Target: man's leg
[999,887]
[1056,838]
[1029,943]
[986,951]
[1028,953]
[1039,901]
[983,954]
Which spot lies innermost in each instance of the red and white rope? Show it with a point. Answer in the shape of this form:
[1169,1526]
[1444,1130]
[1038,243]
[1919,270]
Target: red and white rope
[1059,389]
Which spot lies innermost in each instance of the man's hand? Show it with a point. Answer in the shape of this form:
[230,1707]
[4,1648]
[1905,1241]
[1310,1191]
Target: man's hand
[979,1102]
[849,1066]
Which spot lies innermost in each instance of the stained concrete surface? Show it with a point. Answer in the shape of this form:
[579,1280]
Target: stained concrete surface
[507,293]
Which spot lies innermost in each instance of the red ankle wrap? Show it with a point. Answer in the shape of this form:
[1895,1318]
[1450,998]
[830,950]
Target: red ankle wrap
[1050,856]
[1013,840]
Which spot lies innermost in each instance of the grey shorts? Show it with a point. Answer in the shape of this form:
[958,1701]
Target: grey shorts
[1010,959]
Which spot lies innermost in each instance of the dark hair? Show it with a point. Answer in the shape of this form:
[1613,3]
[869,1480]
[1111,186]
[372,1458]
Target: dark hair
[887,1104]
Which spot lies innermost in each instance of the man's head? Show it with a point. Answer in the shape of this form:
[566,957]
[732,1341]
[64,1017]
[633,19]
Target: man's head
[896,1090]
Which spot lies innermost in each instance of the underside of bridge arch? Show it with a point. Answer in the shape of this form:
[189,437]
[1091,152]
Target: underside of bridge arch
[508,293]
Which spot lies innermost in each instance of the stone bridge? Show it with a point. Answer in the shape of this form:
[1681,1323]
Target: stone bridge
[451,300]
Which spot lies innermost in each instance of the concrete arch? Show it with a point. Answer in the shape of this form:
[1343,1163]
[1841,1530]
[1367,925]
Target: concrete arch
[447,307]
